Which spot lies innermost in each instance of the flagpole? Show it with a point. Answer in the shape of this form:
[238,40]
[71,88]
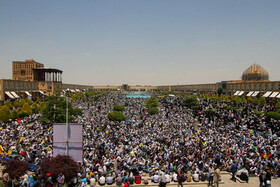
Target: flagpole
[67,126]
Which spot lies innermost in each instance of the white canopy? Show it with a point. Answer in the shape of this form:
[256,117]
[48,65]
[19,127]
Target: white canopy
[267,94]
[278,96]
[274,94]
[27,93]
[77,90]
[236,93]
[255,94]
[15,95]
[240,93]
[10,95]
[42,92]
[249,94]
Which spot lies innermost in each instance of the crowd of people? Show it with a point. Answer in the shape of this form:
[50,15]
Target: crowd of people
[176,144]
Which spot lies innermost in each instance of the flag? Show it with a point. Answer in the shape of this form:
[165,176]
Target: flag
[22,151]
[198,131]
[1,149]
[18,120]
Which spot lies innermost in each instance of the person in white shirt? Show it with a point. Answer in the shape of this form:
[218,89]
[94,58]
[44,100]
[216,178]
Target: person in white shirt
[102,180]
[155,178]
[92,181]
[175,177]
[167,178]
[196,177]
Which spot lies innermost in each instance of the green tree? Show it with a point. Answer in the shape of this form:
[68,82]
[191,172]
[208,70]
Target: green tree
[255,101]
[28,101]
[26,109]
[153,111]
[5,114]
[17,104]
[42,105]
[244,100]
[119,108]
[35,108]
[189,101]
[278,105]
[14,115]
[236,99]
[273,115]
[9,104]
[116,116]
[262,101]
[250,99]
[220,91]
[152,102]
[55,110]
[22,102]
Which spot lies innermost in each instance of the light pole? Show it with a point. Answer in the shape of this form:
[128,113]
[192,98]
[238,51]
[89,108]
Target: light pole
[67,125]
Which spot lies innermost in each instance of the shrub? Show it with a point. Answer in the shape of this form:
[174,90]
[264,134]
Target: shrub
[262,101]
[16,104]
[153,111]
[9,104]
[15,168]
[116,116]
[26,109]
[273,115]
[152,102]
[5,114]
[118,108]
[60,164]
[190,101]
[14,114]
[34,108]
[278,105]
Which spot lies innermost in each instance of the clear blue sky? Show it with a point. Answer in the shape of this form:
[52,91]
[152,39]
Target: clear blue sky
[144,42]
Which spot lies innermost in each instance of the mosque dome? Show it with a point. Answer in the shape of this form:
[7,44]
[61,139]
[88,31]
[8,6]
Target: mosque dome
[255,73]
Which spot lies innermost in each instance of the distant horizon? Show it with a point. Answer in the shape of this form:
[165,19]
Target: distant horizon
[159,42]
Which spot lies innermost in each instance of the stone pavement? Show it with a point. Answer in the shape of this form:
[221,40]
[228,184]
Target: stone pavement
[226,182]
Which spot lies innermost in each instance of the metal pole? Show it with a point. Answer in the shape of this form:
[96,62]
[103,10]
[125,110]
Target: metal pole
[67,126]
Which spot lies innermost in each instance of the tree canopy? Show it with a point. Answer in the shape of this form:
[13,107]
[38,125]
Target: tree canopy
[5,114]
[55,110]
[190,101]
[152,102]
[116,116]
[60,164]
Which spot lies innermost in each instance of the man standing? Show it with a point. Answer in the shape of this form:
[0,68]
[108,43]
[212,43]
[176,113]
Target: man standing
[233,170]
[180,182]
[211,175]
[217,175]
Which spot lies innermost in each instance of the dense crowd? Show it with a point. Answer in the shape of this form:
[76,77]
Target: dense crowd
[177,143]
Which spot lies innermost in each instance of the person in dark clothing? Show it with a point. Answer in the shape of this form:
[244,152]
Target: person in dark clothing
[233,170]
[180,182]
[36,182]
[261,178]
[267,178]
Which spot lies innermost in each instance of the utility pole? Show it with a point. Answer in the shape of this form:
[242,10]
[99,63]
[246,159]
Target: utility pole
[67,126]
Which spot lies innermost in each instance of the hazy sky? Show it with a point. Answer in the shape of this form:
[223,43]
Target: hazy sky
[144,42]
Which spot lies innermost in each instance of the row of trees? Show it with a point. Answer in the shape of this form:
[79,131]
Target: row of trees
[19,109]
